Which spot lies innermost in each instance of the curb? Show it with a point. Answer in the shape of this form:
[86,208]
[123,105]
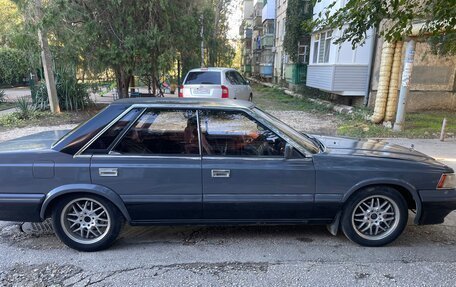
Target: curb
[342,109]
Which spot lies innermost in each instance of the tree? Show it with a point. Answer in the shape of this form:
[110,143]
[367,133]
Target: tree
[298,11]
[394,20]
[46,59]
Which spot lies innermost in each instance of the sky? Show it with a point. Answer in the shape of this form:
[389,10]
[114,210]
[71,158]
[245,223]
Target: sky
[235,19]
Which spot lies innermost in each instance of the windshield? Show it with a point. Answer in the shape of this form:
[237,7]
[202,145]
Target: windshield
[203,78]
[300,138]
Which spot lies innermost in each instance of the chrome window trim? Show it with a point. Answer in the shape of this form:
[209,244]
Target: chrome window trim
[108,126]
[124,131]
[145,156]
[255,158]
[115,120]
[246,110]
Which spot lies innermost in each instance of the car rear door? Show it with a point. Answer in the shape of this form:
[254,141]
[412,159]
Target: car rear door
[203,84]
[243,87]
[154,164]
[245,175]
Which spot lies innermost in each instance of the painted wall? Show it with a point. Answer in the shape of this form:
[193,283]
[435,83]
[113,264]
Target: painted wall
[433,82]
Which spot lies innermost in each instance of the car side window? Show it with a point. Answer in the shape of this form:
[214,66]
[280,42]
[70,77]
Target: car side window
[231,78]
[233,133]
[162,132]
[102,144]
[239,78]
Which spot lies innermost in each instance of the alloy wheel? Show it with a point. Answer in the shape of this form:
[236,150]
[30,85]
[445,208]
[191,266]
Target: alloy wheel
[375,217]
[85,220]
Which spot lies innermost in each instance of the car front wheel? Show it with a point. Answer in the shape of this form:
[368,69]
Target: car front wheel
[375,216]
[86,223]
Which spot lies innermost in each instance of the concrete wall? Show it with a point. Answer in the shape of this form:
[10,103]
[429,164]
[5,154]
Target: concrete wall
[279,63]
[433,82]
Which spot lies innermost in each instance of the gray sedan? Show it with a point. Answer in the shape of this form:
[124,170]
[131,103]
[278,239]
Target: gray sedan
[209,161]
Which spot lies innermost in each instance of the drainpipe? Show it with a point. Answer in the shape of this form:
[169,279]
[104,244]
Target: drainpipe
[383,82]
[405,85]
[391,105]
[370,68]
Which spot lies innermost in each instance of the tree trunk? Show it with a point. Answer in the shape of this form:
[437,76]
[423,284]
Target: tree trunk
[46,59]
[123,79]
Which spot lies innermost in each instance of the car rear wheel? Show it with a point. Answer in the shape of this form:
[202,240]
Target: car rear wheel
[86,223]
[375,216]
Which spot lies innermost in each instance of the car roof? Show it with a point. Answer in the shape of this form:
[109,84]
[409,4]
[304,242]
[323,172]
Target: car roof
[212,69]
[198,102]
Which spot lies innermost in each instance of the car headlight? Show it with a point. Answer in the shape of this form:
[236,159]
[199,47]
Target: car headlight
[447,181]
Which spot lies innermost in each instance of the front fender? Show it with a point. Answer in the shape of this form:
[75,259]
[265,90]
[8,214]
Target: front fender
[85,188]
[392,181]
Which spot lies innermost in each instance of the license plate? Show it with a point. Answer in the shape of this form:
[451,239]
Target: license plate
[204,91]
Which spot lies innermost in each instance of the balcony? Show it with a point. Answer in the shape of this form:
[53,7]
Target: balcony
[257,22]
[247,33]
[267,41]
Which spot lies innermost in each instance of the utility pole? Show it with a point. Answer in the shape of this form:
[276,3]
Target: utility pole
[405,85]
[202,40]
[46,59]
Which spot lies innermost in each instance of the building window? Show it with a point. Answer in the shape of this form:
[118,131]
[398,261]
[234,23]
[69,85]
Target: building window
[303,52]
[322,47]
[282,36]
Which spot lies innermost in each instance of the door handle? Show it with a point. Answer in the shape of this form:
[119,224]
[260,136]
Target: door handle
[220,173]
[107,171]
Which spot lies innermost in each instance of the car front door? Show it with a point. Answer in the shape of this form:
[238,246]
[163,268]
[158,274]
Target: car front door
[245,174]
[154,164]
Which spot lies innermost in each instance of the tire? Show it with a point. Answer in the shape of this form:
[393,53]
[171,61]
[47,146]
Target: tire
[86,222]
[374,216]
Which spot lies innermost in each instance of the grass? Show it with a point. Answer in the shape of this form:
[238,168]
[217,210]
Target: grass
[46,118]
[426,124]
[275,99]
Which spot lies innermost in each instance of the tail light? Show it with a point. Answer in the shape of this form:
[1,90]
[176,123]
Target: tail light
[181,91]
[225,92]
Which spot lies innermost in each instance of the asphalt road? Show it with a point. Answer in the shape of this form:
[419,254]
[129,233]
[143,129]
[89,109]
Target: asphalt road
[237,256]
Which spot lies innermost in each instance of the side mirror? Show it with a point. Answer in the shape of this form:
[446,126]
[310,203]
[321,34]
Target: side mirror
[288,151]
[248,82]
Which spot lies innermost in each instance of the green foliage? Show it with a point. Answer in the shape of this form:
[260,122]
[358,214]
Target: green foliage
[13,66]
[2,96]
[393,19]
[71,94]
[24,108]
[298,11]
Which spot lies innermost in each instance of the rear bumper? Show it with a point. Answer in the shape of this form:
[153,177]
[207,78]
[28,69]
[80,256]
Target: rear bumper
[20,207]
[436,205]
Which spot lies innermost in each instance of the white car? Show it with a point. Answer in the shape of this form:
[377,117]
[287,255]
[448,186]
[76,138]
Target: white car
[216,83]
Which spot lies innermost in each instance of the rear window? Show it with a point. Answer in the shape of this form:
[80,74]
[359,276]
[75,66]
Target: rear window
[203,78]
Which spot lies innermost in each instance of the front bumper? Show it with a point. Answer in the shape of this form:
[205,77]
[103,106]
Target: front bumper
[21,207]
[436,205]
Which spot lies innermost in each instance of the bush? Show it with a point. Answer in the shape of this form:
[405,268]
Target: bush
[13,66]
[25,108]
[72,95]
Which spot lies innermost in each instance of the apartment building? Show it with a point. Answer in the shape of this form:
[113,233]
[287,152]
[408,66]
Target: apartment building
[339,69]
[280,57]
[267,40]
[245,31]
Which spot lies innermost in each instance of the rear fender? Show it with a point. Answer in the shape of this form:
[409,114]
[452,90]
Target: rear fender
[84,188]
